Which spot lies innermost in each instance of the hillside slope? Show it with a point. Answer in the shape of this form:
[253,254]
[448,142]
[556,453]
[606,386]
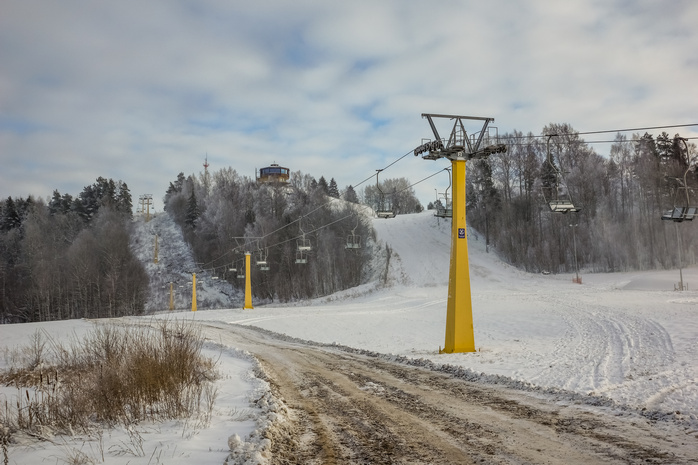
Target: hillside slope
[175,265]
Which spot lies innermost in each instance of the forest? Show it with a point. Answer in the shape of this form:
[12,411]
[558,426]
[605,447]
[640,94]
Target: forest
[622,198]
[304,242]
[70,257]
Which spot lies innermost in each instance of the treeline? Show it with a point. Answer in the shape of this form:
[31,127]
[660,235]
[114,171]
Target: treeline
[70,257]
[224,215]
[622,198]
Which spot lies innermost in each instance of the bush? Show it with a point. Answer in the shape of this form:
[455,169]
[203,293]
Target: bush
[114,375]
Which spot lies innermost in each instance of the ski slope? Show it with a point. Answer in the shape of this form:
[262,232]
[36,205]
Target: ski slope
[622,340]
[626,336]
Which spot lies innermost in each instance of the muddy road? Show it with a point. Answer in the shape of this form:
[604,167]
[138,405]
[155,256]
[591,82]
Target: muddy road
[347,408]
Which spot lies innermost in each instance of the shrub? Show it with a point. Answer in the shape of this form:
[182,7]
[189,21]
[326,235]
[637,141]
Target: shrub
[114,375]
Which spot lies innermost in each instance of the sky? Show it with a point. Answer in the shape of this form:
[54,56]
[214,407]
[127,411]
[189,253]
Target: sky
[139,92]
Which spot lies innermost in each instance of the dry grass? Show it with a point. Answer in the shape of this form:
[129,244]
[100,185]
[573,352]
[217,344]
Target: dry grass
[115,375]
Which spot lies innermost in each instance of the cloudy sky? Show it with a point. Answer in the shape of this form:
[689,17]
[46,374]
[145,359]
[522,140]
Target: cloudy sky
[140,91]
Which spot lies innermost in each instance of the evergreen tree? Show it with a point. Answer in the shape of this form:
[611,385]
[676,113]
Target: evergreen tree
[192,211]
[11,218]
[56,203]
[350,195]
[322,184]
[123,200]
[66,203]
[332,189]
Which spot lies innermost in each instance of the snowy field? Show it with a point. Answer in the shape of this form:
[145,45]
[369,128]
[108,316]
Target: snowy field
[626,336]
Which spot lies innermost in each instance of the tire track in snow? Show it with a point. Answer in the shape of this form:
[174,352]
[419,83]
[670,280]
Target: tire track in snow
[615,347]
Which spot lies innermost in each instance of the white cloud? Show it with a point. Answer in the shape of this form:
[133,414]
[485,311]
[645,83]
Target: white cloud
[140,92]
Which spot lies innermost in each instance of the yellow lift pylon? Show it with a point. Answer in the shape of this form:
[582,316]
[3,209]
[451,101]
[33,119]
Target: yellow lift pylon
[193,292]
[248,283]
[459,148]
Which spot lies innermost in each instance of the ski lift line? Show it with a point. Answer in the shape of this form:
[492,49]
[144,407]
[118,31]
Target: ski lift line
[627,141]
[612,130]
[382,169]
[257,240]
[347,216]
[296,237]
[239,248]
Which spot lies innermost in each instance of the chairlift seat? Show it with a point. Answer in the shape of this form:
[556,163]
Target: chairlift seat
[562,206]
[680,214]
[353,242]
[444,212]
[301,257]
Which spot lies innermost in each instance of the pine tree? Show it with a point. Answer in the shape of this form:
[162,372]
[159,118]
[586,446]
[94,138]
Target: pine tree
[332,190]
[56,203]
[123,200]
[350,195]
[192,211]
[10,218]
[322,184]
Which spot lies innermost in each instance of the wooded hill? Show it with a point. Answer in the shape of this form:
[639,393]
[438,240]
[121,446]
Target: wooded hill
[622,199]
[70,257]
[223,215]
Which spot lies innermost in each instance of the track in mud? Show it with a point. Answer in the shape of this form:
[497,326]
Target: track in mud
[352,409]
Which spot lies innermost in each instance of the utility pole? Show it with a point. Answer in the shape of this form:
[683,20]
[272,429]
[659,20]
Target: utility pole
[171,296]
[458,148]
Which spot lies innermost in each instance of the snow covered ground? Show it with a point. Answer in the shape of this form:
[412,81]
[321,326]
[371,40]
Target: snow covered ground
[626,336]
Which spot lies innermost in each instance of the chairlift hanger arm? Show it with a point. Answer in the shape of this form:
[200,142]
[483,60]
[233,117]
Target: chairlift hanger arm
[455,148]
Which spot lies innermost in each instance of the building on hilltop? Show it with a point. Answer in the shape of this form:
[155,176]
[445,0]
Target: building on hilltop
[273,173]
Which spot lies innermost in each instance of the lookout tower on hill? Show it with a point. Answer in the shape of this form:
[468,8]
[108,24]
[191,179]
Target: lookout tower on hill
[273,173]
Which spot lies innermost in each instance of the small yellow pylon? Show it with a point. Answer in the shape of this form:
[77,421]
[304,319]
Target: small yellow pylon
[248,283]
[193,292]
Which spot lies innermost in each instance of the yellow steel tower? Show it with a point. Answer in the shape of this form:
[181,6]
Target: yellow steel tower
[248,283]
[459,148]
[193,292]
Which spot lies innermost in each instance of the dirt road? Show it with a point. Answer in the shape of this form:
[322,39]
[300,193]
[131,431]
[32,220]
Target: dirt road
[347,408]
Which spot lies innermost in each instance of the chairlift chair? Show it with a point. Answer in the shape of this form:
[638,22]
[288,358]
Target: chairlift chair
[353,240]
[301,257]
[685,212]
[262,260]
[559,200]
[303,244]
[446,210]
[381,212]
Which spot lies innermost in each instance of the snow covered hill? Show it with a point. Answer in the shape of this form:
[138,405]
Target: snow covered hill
[175,265]
[627,336]
[624,340]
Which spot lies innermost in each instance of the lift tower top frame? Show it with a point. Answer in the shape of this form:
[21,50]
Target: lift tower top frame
[458,148]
